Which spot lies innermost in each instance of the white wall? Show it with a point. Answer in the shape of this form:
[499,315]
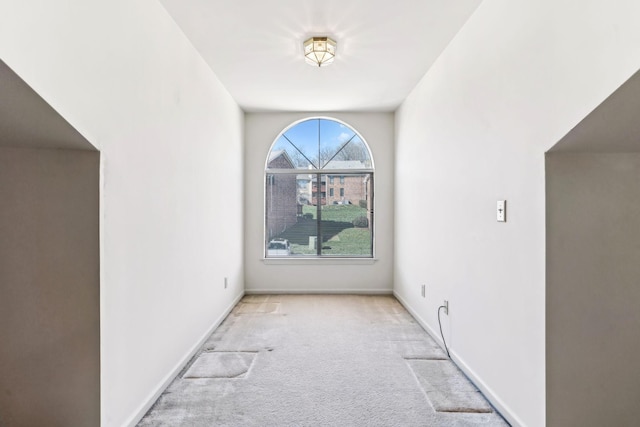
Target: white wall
[170,138]
[515,79]
[261,129]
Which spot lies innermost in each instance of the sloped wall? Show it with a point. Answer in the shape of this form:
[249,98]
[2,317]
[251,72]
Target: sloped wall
[515,79]
[170,136]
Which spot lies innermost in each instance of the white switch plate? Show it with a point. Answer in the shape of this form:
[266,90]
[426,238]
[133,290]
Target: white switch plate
[501,211]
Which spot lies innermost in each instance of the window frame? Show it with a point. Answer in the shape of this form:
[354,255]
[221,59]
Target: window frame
[329,173]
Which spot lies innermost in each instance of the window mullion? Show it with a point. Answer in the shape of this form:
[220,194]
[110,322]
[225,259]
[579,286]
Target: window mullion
[319,214]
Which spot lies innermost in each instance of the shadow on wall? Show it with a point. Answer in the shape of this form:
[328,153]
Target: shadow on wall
[49,264]
[593,230]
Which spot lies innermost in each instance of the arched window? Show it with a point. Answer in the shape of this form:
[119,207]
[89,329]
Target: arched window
[319,192]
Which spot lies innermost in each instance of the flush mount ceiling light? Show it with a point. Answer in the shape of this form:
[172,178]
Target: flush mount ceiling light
[319,51]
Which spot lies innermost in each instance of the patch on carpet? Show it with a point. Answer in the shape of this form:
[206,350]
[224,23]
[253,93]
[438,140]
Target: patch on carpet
[422,349]
[447,388]
[257,308]
[262,298]
[221,365]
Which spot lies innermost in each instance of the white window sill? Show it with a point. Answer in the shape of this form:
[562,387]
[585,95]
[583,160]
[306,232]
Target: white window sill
[319,261]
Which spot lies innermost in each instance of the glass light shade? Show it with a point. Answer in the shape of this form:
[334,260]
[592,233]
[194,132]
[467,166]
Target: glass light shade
[319,51]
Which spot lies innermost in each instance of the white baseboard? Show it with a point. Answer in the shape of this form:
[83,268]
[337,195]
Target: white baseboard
[497,403]
[491,396]
[421,321]
[162,386]
[319,291]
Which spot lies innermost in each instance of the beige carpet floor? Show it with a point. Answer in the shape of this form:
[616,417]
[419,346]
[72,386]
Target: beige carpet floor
[321,360]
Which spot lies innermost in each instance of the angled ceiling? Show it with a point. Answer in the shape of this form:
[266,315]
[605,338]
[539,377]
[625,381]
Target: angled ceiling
[27,121]
[612,127]
[384,48]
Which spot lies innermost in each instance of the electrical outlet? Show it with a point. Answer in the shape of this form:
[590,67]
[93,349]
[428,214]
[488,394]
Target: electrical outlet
[423,291]
[226,282]
[446,307]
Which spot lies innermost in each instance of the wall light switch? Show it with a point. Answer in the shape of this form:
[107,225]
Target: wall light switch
[501,211]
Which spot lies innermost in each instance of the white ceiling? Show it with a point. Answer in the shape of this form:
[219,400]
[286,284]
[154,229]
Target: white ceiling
[384,48]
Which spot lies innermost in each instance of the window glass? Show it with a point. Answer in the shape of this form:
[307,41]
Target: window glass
[304,215]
